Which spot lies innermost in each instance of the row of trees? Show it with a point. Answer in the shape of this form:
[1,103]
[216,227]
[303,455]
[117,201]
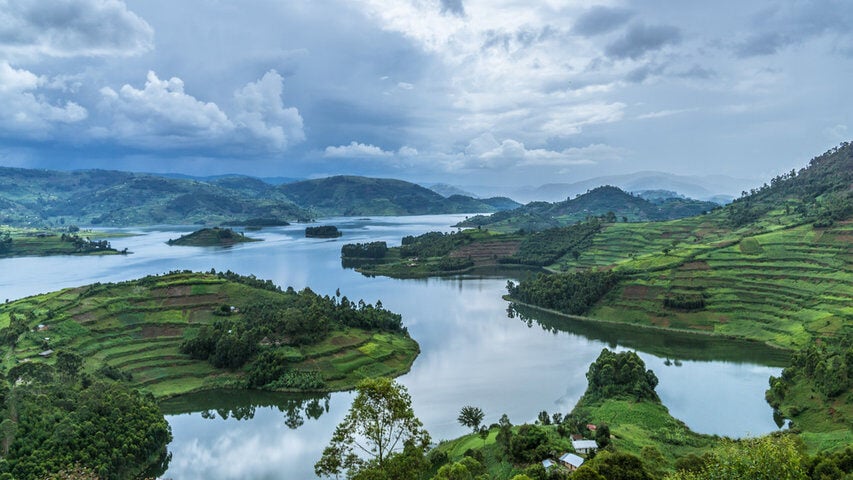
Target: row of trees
[365,250]
[572,293]
[546,247]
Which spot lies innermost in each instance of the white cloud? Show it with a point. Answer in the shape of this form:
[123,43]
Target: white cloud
[26,109]
[405,85]
[162,115]
[664,113]
[356,150]
[261,111]
[68,28]
[486,152]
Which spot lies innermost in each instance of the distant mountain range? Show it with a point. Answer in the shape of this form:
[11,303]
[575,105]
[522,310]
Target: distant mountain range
[601,201]
[113,198]
[716,188]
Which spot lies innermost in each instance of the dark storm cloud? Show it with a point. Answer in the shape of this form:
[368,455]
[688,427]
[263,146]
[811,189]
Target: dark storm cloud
[598,20]
[72,28]
[453,6]
[640,39]
[795,23]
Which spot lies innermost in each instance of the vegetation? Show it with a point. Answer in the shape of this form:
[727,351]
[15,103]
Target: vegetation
[471,417]
[765,458]
[24,242]
[325,231]
[382,426]
[572,293]
[98,197]
[212,237]
[178,333]
[610,203]
[815,393]
[52,421]
[353,196]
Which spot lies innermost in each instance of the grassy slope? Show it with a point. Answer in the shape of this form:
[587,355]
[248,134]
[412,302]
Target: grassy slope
[138,328]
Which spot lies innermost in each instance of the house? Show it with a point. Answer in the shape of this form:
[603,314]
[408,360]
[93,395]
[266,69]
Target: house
[571,461]
[591,427]
[548,464]
[584,446]
[46,353]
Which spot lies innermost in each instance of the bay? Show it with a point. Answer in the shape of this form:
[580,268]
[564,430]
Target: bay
[472,351]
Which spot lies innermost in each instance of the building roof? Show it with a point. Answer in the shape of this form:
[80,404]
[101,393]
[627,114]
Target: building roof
[547,463]
[46,353]
[572,459]
[584,444]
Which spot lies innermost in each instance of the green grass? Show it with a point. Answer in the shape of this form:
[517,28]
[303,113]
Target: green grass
[138,327]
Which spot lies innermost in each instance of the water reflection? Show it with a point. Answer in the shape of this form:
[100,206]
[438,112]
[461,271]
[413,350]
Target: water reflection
[242,405]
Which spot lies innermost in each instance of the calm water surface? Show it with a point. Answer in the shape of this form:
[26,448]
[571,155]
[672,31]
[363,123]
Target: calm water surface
[472,352]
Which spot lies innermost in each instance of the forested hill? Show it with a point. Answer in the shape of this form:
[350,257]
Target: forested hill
[113,198]
[602,201]
[353,195]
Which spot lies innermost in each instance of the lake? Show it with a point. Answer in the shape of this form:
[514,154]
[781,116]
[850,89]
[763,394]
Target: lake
[472,351]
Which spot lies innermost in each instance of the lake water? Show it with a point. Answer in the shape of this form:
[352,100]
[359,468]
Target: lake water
[472,351]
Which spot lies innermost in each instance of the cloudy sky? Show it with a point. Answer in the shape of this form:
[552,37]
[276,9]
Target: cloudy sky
[461,91]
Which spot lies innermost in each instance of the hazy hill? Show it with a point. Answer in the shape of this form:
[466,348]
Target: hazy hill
[113,198]
[353,195]
[597,202]
[446,190]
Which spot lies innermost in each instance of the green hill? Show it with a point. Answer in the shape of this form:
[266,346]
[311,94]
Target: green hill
[112,198]
[606,201]
[184,332]
[211,237]
[352,196]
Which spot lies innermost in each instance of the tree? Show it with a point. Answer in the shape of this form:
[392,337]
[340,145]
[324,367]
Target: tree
[504,436]
[471,417]
[69,364]
[765,458]
[379,424]
[484,434]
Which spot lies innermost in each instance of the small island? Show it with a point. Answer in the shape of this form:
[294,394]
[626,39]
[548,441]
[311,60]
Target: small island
[212,237]
[326,231]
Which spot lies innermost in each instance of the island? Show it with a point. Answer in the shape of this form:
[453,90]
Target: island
[212,237]
[325,231]
[97,359]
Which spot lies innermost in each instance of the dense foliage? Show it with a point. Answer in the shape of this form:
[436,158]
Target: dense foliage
[765,458]
[572,293]
[323,231]
[379,438]
[210,237]
[819,193]
[432,244]
[291,318]
[364,250]
[623,374]
[546,247]
[54,420]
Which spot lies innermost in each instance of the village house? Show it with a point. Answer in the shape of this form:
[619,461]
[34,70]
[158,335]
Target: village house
[571,461]
[584,446]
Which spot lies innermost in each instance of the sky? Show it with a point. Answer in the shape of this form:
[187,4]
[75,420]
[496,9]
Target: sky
[491,92]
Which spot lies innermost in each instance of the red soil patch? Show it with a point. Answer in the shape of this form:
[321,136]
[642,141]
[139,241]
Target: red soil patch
[660,321]
[635,292]
[209,299]
[153,331]
[698,265]
[173,291]
[486,253]
[87,317]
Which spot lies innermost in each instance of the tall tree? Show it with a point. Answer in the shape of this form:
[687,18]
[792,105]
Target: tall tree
[380,429]
[471,417]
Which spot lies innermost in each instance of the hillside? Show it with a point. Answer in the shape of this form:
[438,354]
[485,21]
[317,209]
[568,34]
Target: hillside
[112,198]
[607,201]
[184,332]
[352,196]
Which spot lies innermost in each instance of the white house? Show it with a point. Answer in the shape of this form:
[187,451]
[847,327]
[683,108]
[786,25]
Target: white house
[571,461]
[584,446]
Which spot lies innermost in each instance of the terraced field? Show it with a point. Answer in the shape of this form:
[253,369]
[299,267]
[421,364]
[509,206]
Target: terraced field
[784,287]
[137,328]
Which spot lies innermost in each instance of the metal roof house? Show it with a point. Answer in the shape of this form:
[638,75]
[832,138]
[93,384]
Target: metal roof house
[571,461]
[584,446]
